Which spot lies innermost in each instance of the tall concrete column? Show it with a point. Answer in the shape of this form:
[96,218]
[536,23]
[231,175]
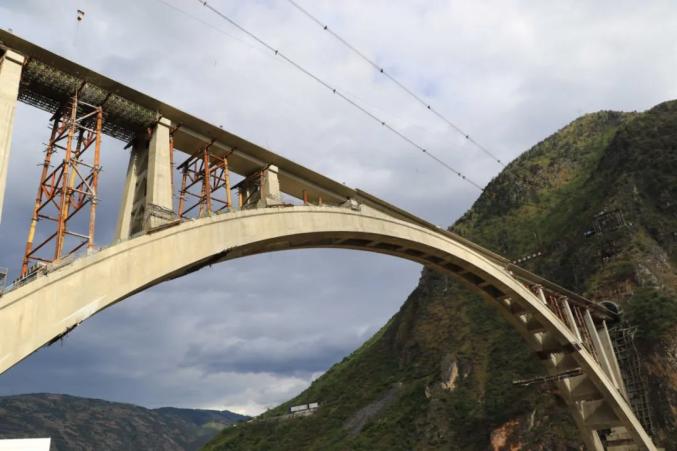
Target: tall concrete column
[140,187]
[10,76]
[270,188]
[129,195]
[147,198]
[159,203]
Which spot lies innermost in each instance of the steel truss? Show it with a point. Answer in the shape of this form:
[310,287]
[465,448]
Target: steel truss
[67,188]
[205,185]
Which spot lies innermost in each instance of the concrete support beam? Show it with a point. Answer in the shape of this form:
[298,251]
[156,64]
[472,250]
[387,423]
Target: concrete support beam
[605,338]
[10,76]
[562,362]
[270,188]
[147,198]
[548,341]
[582,388]
[130,195]
[620,440]
[589,435]
[599,414]
[159,205]
[599,348]
[572,321]
[541,296]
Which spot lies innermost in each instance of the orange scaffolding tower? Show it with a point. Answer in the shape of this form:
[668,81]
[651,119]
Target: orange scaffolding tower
[205,184]
[68,187]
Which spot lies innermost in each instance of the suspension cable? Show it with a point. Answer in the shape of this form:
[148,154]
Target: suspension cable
[338,93]
[401,85]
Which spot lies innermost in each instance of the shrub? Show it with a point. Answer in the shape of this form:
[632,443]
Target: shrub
[653,313]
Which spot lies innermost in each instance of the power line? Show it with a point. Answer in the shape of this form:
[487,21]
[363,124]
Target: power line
[397,82]
[209,25]
[338,93]
[246,43]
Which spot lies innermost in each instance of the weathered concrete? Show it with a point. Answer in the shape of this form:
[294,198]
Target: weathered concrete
[608,346]
[270,188]
[10,76]
[124,225]
[602,357]
[147,197]
[34,314]
[159,203]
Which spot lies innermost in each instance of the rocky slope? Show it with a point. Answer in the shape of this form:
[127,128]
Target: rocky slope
[598,201]
[85,424]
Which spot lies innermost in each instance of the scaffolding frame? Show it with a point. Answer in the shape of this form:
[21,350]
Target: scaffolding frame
[210,174]
[249,189]
[608,221]
[634,376]
[68,187]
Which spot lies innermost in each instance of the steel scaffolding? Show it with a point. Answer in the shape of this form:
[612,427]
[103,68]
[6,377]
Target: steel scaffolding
[205,185]
[636,384]
[69,186]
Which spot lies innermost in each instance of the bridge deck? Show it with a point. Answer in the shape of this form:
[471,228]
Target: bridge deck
[50,79]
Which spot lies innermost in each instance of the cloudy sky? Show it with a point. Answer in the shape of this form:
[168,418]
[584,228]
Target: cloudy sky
[248,334]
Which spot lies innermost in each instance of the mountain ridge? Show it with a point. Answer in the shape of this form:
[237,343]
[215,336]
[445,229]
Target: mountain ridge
[76,423]
[445,362]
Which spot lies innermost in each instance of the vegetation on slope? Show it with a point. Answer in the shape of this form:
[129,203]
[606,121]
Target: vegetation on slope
[84,424]
[439,374]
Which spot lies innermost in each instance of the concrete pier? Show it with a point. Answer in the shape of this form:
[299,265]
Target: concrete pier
[147,197]
[10,75]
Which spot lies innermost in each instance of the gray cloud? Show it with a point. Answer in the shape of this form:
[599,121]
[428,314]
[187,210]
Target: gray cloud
[311,354]
[253,332]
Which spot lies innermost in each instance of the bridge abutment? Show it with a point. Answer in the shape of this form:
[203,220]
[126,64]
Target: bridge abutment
[11,64]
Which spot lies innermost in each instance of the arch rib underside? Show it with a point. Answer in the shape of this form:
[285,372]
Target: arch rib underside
[563,335]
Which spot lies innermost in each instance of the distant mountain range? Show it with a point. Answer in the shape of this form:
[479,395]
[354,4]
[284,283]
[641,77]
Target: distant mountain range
[76,424]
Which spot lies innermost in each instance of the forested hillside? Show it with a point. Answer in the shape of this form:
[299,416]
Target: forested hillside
[597,204]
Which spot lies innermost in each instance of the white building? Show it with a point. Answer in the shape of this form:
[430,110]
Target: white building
[25,444]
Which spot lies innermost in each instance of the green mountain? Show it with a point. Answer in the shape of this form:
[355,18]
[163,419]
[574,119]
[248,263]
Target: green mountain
[597,204]
[85,424]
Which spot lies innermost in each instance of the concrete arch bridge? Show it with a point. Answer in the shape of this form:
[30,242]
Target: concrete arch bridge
[280,205]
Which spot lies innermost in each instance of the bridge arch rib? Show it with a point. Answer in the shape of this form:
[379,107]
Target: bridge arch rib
[34,314]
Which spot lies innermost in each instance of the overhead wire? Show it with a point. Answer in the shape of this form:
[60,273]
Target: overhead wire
[335,91]
[213,27]
[258,49]
[398,83]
